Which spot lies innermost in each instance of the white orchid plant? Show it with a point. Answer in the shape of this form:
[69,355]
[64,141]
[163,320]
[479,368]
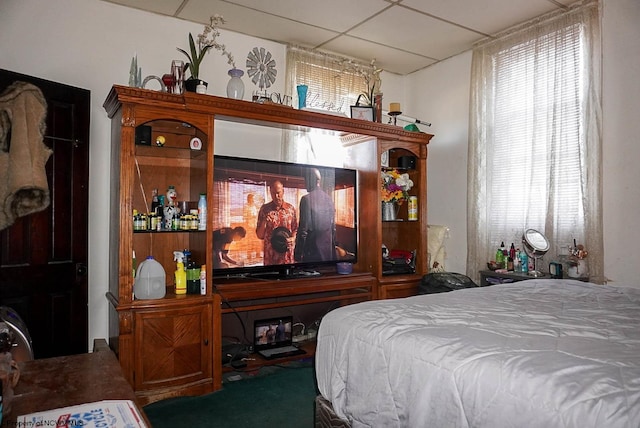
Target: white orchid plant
[206,40]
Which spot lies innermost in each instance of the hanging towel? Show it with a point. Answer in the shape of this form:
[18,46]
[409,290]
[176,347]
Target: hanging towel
[23,154]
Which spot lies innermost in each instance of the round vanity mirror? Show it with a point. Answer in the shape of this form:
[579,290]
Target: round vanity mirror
[536,245]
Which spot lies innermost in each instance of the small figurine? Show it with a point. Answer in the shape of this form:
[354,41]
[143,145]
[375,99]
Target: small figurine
[171,210]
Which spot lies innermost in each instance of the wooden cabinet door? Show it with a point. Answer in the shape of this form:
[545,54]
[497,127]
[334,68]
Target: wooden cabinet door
[173,347]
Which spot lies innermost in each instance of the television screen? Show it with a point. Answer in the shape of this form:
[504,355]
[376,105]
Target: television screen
[279,218]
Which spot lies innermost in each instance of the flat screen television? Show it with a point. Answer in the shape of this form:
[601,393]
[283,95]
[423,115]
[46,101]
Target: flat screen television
[280,219]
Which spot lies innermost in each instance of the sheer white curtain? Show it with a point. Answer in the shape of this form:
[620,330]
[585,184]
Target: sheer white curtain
[334,84]
[535,138]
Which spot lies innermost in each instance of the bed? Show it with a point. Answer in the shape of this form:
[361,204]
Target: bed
[537,353]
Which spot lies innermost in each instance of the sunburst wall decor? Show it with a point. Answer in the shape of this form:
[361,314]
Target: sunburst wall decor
[261,68]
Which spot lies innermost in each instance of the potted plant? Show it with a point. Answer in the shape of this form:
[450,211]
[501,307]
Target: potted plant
[372,79]
[368,96]
[206,41]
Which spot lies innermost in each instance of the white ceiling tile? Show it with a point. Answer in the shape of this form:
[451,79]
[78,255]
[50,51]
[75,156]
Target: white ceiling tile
[336,15]
[429,37]
[254,23]
[164,7]
[201,10]
[403,35]
[389,59]
[486,16]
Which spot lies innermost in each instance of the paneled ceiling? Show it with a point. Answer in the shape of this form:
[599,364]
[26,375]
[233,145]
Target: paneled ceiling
[402,35]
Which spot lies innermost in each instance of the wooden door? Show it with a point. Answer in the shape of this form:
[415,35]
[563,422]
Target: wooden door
[43,256]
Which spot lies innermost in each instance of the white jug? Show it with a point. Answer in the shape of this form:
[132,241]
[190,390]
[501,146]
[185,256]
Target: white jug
[150,280]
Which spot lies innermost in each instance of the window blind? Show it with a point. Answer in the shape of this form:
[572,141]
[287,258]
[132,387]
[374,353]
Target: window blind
[535,138]
[535,160]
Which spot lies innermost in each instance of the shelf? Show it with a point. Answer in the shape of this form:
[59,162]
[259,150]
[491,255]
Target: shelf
[243,295]
[170,299]
[397,168]
[169,152]
[269,114]
[168,231]
[256,362]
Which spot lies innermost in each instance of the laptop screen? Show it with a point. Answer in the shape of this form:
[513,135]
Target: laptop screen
[272,333]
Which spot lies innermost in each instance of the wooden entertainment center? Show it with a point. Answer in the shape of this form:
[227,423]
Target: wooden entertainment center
[172,346]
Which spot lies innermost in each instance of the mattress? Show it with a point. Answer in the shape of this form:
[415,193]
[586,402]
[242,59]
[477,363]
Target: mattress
[537,353]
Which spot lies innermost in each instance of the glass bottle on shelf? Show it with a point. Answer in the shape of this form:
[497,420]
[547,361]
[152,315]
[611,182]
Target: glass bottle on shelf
[155,202]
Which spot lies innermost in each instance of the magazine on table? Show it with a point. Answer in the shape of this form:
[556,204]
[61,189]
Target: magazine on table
[106,413]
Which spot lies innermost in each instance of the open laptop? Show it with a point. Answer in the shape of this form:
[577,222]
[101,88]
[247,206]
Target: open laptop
[272,338]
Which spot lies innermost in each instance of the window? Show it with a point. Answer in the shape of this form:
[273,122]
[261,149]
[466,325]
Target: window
[534,149]
[334,84]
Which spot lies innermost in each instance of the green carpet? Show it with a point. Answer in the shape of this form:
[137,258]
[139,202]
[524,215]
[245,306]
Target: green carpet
[281,397]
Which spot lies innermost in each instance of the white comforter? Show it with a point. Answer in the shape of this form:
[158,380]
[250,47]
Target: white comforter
[537,353]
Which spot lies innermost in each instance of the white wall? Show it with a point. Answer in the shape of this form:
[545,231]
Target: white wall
[621,136]
[444,100]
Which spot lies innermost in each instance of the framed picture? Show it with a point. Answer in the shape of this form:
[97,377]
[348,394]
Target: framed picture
[362,113]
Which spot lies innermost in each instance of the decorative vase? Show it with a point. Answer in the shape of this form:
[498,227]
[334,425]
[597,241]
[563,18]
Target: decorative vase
[167,79]
[235,87]
[191,84]
[302,96]
[389,211]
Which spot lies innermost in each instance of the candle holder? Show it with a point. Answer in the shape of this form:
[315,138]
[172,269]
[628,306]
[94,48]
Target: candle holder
[394,115]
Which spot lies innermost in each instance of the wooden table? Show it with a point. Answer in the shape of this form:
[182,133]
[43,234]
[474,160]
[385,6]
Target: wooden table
[507,277]
[51,383]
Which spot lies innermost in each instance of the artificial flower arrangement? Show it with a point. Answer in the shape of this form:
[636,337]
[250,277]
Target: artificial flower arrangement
[206,41]
[374,84]
[577,253]
[369,73]
[395,186]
